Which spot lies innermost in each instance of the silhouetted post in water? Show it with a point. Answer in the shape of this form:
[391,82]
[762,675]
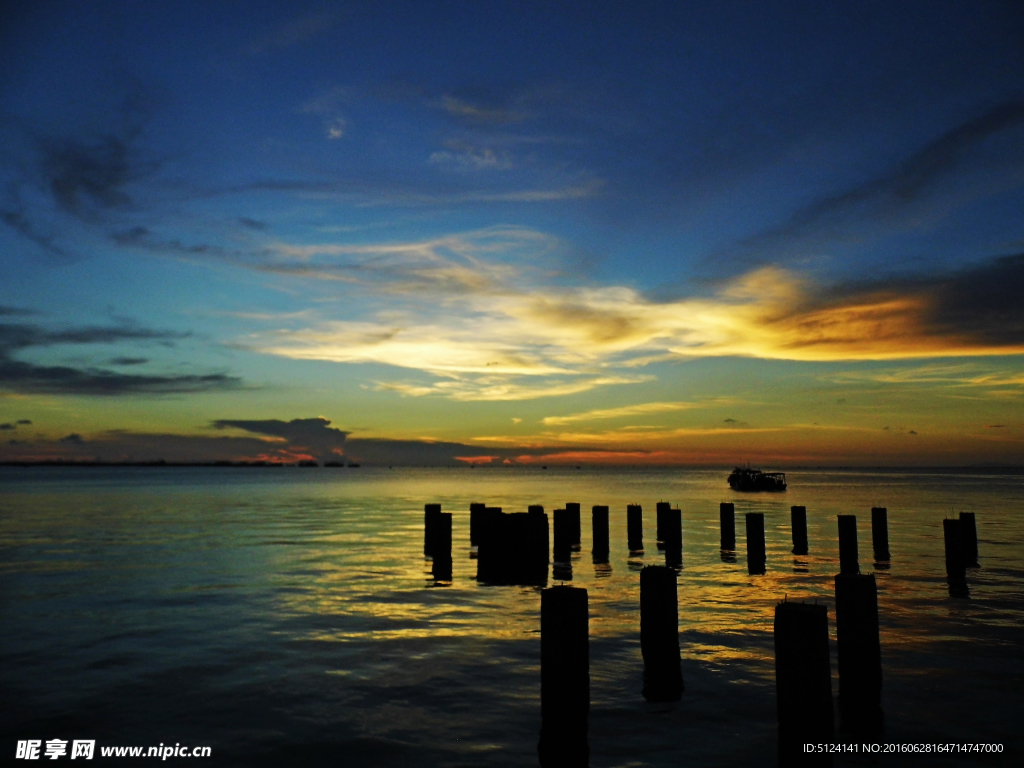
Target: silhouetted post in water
[564,677]
[848,561]
[599,520]
[442,547]
[803,682]
[727,523]
[969,539]
[880,533]
[662,512]
[956,574]
[635,527]
[563,535]
[541,532]
[673,537]
[756,559]
[798,522]
[489,544]
[430,513]
[575,527]
[860,652]
[659,634]
[476,511]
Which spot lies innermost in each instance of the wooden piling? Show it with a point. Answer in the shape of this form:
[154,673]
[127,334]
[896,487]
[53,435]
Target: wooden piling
[803,683]
[441,547]
[599,523]
[541,533]
[880,533]
[564,677]
[674,537]
[956,575]
[635,528]
[575,529]
[563,535]
[661,511]
[727,524]
[848,556]
[756,558]
[798,523]
[969,539]
[490,544]
[859,651]
[430,513]
[659,634]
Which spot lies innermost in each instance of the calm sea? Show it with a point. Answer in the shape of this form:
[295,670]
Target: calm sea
[288,617]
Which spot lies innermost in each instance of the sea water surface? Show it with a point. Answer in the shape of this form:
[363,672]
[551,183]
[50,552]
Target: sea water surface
[288,616]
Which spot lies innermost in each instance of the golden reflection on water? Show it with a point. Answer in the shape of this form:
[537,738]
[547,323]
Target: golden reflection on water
[366,569]
[327,573]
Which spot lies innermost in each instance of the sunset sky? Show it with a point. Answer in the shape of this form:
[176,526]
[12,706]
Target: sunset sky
[430,232]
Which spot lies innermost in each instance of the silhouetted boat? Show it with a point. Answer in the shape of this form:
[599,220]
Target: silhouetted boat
[747,479]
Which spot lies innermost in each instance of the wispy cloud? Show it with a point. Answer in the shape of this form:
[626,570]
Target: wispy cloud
[478,262]
[641,409]
[479,114]
[463,155]
[34,377]
[965,375]
[294,31]
[493,388]
[497,318]
[896,195]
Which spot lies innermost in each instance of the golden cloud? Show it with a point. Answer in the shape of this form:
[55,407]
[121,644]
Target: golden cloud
[494,319]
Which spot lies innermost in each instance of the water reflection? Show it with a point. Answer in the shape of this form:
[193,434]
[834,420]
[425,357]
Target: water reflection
[561,570]
[329,577]
[799,565]
[674,557]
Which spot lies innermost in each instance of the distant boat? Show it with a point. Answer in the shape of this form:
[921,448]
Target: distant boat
[747,479]
[334,464]
[352,464]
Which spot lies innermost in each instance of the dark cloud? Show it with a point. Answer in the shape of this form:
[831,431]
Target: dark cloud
[313,435]
[86,177]
[891,192]
[20,376]
[15,336]
[145,239]
[7,425]
[259,226]
[295,439]
[23,421]
[730,421]
[986,301]
[14,311]
[129,360]
[981,302]
[64,380]
[17,220]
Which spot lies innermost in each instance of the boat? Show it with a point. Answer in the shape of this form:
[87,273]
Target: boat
[747,479]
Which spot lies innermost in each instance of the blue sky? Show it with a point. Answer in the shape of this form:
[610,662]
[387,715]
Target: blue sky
[670,233]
